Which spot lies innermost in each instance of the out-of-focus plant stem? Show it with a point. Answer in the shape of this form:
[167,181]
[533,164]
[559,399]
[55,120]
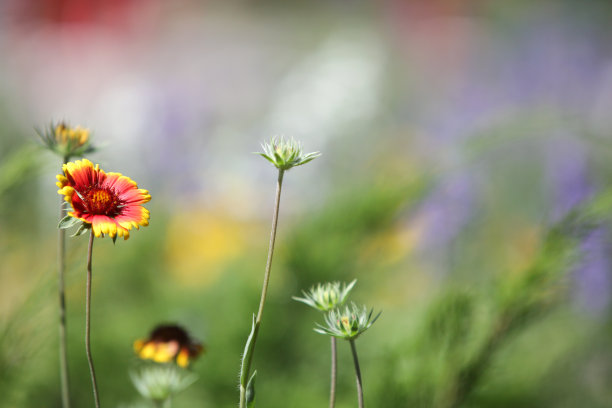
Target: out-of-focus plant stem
[166,403]
[92,371]
[472,373]
[61,268]
[334,372]
[357,374]
[249,354]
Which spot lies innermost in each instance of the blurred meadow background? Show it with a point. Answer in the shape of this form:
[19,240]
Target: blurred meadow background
[466,159]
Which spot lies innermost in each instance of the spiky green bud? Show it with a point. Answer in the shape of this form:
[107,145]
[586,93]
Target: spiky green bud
[285,154]
[348,323]
[65,140]
[326,296]
[158,382]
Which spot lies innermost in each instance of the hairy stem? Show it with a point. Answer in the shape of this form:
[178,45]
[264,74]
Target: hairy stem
[357,374]
[61,268]
[334,372]
[92,371]
[264,291]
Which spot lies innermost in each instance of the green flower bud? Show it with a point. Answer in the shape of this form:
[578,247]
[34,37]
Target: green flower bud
[348,323]
[158,382]
[285,154]
[326,296]
[66,141]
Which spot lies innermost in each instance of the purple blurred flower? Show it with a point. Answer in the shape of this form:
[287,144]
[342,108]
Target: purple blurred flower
[593,282]
[445,212]
[568,173]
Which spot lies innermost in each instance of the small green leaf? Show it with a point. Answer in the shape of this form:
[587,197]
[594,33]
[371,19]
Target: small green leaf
[82,228]
[267,158]
[67,222]
[279,159]
[248,350]
[250,391]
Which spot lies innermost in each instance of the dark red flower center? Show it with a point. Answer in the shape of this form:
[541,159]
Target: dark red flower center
[101,202]
[167,333]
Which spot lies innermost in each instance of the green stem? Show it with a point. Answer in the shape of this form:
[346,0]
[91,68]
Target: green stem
[92,371]
[61,268]
[264,291]
[334,372]
[357,374]
[165,403]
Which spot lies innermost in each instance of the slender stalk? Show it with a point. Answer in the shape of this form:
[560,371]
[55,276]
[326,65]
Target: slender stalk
[357,374]
[264,290]
[61,268]
[92,371]
[334,372]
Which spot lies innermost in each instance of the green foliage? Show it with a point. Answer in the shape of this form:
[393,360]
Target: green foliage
[458,344]
[250,391]
[449,324]
[247,356]
[328,245]
[19,164]
[19,168]
[540,287]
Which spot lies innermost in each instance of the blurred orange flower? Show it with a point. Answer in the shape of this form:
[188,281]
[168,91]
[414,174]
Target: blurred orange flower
[168,343]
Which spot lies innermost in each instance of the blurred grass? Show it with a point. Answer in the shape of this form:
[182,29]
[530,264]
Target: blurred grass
[464,333]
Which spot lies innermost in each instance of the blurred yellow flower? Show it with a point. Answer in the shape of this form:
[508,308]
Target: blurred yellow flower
[200,243]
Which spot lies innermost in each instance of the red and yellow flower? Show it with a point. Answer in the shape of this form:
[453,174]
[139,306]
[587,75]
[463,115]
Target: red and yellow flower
[168,343]
[109,202]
